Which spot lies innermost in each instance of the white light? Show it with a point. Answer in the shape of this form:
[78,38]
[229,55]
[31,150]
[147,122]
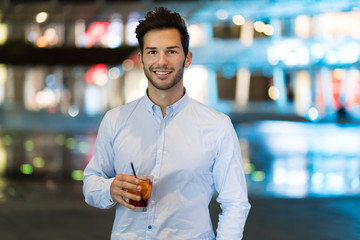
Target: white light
[115,36]
[50,33]
[280,176]
[222,14]
[135,84]
[274,93]
[332,57]
[318,51]
[80,33]
[283,143]
[297,177]
[313,114]
[45,98]
[128,64]
[51,36]
[268,30]
[196,35]
[317,179]
[133,21]
[272,55]
[303,55]
[41,17]
[238,20]
[349,53]
[73,111]
[92,100]
[259,26]
[290,52]
[114,73]
[335,182]
[195,79]
[303,26]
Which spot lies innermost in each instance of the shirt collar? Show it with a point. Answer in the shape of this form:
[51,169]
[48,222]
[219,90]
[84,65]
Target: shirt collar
[172,109]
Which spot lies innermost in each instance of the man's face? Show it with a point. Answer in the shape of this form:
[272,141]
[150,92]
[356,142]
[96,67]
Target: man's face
[163,58]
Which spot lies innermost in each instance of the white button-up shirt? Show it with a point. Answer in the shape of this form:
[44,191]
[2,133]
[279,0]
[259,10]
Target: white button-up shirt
[191,152]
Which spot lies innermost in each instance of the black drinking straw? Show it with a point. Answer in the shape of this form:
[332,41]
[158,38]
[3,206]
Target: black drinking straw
[133,169]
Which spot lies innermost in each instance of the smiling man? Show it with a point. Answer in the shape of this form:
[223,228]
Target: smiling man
[190,149]
[163,60]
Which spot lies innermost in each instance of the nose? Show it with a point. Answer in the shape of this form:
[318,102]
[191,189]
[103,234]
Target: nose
[162,61]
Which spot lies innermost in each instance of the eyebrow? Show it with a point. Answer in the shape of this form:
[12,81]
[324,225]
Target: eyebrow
[154,48]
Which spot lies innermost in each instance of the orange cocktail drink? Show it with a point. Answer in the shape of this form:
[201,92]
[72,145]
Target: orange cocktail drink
[146,186]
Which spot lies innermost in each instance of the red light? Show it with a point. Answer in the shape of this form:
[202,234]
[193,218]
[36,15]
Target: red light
[96,32]
[95,72]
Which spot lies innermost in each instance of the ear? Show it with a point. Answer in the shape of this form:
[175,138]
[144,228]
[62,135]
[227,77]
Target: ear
[188,59]
[139,58]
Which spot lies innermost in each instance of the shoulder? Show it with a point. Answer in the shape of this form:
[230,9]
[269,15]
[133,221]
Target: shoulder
[207,113]
[120,114]
[123,110]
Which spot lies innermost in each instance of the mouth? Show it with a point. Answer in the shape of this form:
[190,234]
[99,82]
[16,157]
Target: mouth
[162,74]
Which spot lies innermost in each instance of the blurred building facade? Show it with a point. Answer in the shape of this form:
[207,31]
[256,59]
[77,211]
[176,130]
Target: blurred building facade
[64,63]
[292,58]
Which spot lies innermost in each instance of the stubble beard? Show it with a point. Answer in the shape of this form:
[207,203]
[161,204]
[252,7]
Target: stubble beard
[176,79]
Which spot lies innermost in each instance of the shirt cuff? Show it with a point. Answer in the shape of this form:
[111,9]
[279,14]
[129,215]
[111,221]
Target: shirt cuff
[108,199]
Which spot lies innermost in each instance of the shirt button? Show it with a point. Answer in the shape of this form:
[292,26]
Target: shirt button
[153,201]
[159,151]
[149,227]
[162,125]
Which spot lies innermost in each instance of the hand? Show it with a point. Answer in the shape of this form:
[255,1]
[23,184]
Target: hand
[119,187]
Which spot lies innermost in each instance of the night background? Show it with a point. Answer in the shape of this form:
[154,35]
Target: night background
[286,72]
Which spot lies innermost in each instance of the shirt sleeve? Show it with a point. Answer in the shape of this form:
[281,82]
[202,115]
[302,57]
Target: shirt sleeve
[230,183]
[100,173]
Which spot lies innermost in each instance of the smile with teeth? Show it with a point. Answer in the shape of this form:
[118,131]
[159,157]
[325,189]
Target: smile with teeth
[161,73]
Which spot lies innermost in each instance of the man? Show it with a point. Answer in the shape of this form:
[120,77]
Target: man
[190,149]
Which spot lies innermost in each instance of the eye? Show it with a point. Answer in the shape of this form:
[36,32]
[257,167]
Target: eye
[172,52]
[152,52]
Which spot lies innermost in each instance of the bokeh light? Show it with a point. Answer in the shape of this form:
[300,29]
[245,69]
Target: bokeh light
[41,17]
[26,169]
[38,162]
[238,20]
[222,14]
[77,175]
[29,145]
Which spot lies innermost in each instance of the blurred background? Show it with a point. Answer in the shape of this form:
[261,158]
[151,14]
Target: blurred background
[286,72]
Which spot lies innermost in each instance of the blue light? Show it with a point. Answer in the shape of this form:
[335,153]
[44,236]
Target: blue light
[228,70]
[50,81]
[92,101]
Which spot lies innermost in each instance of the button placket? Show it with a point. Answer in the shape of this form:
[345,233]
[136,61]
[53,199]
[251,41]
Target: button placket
[158,159]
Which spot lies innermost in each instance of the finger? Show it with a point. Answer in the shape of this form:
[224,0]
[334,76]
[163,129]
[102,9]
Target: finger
[127,178]
[118,184]
[131,195]
[122,197]
[119,191]
[125,203]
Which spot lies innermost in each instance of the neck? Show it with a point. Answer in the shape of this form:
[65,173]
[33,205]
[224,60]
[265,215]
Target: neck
[165,98]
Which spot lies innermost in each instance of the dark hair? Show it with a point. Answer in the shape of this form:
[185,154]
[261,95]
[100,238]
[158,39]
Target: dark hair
[162,18]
